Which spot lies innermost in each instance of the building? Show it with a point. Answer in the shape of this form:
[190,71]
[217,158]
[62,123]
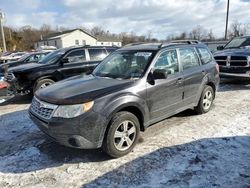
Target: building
[76,37]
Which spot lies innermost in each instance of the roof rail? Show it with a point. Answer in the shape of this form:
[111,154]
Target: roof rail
[173,42]
[134,44]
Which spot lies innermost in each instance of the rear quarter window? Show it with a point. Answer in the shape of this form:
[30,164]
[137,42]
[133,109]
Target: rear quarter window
[205,55]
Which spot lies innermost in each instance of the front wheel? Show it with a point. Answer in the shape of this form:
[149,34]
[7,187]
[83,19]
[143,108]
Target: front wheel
[206,100]
[122,134]
[42,84]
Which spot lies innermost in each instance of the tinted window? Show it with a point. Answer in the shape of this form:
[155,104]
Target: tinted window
[110,50]
[76,56]
[97,54]
[188,58]
[168,61]
[204,55]
[35,57]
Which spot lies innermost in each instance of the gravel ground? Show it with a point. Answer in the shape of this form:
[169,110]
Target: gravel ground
[187,150]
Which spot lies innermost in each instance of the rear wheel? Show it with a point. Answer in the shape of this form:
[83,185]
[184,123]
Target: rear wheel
[122,134]
[42,84]
[206,100]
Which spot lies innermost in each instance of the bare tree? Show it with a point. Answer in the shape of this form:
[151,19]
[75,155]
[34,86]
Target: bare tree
[210,35]
[237,29]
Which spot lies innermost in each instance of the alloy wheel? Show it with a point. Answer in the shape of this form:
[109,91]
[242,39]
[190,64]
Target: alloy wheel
[125,135]
[207,100]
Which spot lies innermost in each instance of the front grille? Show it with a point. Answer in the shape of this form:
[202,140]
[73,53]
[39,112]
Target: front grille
[9,77]
[221,60]
[232,61]
[42,109]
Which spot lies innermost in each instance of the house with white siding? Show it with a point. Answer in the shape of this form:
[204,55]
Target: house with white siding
[76,37]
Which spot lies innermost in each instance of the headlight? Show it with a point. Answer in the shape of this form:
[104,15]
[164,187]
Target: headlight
[70,111]
[248,60]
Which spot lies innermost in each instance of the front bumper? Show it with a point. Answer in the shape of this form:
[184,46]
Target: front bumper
[234,72]
[84,132]
[234,75]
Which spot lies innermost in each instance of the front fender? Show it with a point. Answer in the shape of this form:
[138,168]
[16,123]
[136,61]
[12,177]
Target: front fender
[123,101]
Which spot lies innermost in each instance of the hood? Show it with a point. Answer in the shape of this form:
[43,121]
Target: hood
[80,89]
[233,52]
[25,67]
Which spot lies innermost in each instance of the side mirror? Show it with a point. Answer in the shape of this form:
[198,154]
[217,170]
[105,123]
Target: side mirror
[220,47]
[160,74]
[64,60]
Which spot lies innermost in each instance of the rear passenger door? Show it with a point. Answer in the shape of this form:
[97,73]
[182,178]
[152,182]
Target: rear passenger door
[96,55]
[192,72]
[76,63]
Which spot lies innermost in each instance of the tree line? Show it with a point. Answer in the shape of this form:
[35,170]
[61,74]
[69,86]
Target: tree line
[24,37]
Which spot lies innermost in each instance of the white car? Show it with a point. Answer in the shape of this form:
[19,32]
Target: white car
[13,56]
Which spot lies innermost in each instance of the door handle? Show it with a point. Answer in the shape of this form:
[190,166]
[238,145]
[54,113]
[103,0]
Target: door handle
[179,80]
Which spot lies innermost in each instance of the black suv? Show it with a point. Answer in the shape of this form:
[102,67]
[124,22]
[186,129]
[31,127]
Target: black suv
[234,58]
[134,87]
[57,65]
[28,58]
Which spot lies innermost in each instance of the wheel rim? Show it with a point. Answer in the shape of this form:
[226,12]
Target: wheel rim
[207,100]
[124,136]
[46,84]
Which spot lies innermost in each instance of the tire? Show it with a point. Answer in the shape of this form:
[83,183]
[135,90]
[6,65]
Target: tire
[119,145]
[206,100]
[42,84]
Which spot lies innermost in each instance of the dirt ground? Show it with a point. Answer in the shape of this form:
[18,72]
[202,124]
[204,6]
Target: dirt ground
[186,150]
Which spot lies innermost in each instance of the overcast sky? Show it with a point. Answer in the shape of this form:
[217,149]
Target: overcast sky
[161,17]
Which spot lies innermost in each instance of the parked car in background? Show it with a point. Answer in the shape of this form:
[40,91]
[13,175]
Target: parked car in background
[12,57]
[132,88]
[213,45]
[234,58]
[33,57]
[57,65]
[46,49]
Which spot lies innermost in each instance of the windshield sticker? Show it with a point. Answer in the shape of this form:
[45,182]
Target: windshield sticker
[145,54]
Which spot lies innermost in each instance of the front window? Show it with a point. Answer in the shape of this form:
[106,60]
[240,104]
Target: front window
[168,62]
[77,56]
[124,65]
[52,57]
[238,43]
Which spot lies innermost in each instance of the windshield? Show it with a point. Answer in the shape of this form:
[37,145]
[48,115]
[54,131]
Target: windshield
[24,57]
[52,57]
[124,65]
[237,43]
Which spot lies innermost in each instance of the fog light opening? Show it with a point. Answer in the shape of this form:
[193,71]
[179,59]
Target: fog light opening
[73,142]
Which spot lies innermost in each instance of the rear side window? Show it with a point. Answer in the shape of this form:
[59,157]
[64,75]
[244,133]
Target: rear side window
[204,55]
[97,54]
[188,58]
[76,56]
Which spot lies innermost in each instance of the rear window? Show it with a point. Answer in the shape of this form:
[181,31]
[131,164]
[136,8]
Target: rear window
[204,55]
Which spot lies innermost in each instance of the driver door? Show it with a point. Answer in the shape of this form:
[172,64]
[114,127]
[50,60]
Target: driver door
[164,96]
[76,63]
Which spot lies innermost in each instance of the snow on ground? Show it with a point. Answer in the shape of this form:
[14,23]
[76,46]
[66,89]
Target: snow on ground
[187,150]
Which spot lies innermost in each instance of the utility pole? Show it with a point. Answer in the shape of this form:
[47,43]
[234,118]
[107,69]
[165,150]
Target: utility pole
[228,1]
[1,27]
